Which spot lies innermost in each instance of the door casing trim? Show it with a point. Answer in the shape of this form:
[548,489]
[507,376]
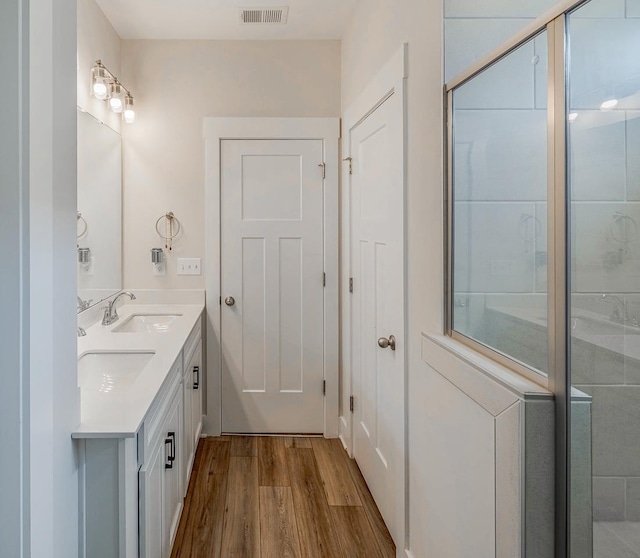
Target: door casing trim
[215,131]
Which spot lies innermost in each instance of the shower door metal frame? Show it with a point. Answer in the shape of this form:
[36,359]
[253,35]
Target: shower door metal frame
[558,207]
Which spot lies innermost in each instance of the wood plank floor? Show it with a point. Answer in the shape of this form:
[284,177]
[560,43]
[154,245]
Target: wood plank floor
[279,497]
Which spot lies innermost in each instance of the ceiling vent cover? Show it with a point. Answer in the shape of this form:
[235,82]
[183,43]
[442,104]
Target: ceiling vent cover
[272,15]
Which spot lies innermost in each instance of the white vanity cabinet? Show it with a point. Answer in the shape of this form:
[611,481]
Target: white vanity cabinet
[133,484]
[192,391]
[160,478]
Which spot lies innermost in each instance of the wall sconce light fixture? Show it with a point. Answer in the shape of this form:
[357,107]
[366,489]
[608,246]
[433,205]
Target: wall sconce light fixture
[106,87]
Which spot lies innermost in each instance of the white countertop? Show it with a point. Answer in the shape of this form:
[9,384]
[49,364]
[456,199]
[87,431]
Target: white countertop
[120,414]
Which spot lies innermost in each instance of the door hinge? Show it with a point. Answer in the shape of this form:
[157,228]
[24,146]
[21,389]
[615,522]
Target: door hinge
[323,166]
[350,284]
[350,159]
[324,387]
[324,279]
[220,301]
[351,403]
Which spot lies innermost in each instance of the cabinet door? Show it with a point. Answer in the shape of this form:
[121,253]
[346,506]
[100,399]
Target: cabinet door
[151,478]
[172,482]
[188,447]
[196,394]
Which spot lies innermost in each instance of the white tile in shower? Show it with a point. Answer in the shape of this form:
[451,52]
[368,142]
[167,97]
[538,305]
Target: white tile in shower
[633,8]
[604,62]
[602,9]
[491,253]
[602,262]
[467,40]
[501,155]
[598,156]
[633,155]
[508,84]
[496,8]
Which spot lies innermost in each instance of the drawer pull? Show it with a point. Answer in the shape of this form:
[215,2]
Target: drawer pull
[196,383]
[171,441]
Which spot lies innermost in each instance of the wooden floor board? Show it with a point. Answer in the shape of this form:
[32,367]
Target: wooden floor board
[203,516]
[227,514]
[278,527]
[380,531]
[315,528]
[241,533]
[272,462]
[244,446]
[297,442]
[339,486]
[353,530]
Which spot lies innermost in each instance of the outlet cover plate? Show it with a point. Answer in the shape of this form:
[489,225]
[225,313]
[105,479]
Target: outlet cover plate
[189,266]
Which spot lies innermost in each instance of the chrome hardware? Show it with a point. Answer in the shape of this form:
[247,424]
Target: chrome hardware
[156,255]
[229,301]
[110,312]
[81,332]
[196,382]
[350,161]
[84,255]
[385,343]
[83,305]
[324,170]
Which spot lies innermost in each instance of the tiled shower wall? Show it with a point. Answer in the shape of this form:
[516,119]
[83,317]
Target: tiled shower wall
[507,266]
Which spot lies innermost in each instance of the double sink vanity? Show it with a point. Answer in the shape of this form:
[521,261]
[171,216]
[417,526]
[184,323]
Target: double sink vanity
[140,383]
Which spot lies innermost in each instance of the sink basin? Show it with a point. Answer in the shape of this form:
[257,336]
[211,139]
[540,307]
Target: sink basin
[108,372]
[147,323]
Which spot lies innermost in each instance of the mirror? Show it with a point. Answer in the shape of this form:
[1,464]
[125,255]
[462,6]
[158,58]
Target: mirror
[99,219]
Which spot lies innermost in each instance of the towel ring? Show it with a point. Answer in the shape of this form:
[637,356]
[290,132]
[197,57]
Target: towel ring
[622,220]
[171,228]
[81,219]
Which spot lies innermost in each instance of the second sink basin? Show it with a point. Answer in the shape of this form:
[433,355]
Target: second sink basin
[146,323]
[107,372]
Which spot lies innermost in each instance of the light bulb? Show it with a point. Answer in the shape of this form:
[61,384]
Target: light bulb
[609,104]
[129,112]
[100,82]
[116,102]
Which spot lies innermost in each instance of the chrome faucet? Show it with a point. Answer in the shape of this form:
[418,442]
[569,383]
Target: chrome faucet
[81,332]
[83,304]
[619,312]
[110,311]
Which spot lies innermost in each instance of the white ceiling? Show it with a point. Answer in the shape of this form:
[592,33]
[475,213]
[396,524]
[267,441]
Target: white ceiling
[220,19]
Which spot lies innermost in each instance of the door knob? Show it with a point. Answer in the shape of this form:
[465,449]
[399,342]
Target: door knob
[390,343]
[229,301]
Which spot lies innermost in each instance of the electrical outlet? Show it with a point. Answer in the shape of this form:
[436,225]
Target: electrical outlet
[189,266]
[159,269]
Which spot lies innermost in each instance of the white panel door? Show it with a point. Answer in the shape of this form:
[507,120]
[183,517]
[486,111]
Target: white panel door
[272,286]
[377,252]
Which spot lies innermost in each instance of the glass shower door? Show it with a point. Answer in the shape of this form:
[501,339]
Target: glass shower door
[603,136]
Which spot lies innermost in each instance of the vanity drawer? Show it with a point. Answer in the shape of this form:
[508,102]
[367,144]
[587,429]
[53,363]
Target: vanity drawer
[152,427]
[192,341]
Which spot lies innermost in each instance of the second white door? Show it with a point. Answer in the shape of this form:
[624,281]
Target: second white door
[378,334]
[272,286]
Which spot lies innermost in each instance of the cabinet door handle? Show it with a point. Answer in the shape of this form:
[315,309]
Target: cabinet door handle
[196,383]
[171,441]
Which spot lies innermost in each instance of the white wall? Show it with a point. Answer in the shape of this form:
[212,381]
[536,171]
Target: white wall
[97,39]
[54,401]
[376,32]
[178,83]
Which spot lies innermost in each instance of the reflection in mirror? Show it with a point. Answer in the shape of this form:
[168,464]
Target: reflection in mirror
[99,218]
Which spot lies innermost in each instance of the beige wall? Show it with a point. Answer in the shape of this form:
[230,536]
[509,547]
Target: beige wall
[97,39]
[178,83]
[378,29]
